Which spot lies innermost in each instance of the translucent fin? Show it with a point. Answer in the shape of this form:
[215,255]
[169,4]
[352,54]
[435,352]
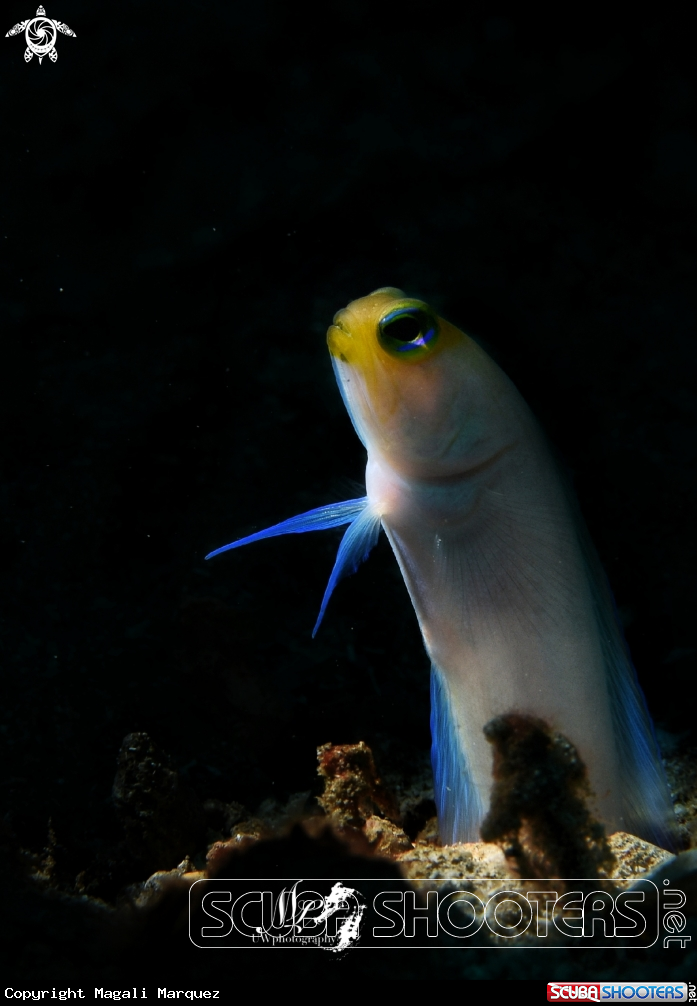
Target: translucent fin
[356,546]
[459,807]
[332,515]
[646,804]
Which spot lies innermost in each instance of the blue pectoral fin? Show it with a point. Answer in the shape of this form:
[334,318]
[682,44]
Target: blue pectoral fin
[459,807]
[332,515]
[356,545]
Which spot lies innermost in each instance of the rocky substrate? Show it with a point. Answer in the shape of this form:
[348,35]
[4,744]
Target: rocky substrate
[134,894]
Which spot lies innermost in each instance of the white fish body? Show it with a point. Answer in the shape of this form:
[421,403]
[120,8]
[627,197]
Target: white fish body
[499,583]
[510,597]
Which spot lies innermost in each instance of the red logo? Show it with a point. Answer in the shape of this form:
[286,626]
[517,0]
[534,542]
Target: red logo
[568,991]
[624,991]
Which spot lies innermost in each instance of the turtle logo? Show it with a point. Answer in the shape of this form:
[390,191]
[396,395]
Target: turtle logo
[40,33]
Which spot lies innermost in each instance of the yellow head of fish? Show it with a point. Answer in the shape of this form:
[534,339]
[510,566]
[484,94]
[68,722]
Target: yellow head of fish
[410,383]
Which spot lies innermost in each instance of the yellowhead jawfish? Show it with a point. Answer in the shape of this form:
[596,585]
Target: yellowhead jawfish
[513,605]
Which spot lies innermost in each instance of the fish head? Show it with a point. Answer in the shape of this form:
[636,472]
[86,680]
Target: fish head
[412,383]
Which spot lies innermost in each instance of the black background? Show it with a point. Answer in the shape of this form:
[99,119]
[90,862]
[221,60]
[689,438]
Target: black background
[188,195]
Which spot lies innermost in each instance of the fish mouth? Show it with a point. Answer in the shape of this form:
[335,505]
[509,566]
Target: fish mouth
[336,341]
[339,337]
[338,322]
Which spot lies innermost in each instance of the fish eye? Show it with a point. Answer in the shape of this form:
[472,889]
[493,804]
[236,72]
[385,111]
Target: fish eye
[409,330]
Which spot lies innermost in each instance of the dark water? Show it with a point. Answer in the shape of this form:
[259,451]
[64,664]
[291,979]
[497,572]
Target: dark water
[188,195]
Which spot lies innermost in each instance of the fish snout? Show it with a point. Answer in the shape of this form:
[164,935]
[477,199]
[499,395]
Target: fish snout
[339,335]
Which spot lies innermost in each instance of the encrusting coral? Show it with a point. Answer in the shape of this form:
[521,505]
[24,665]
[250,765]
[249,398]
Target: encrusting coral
[539,812]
